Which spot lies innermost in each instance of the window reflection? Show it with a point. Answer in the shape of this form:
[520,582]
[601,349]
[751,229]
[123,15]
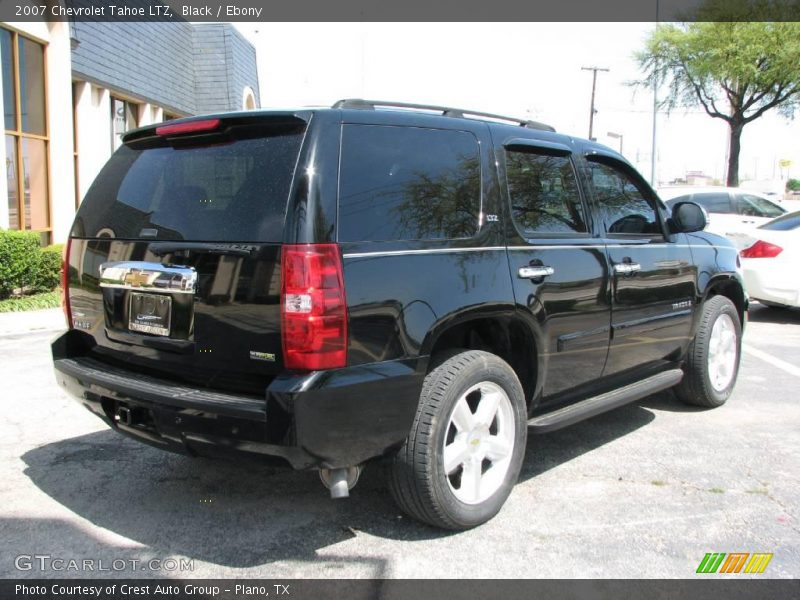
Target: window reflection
[9,101]
[34,166]
[627,211]
[31,85]
[26,132]
[544,194]
[11,182]
[407,183]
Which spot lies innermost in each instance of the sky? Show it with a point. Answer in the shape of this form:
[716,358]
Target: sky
[525,70]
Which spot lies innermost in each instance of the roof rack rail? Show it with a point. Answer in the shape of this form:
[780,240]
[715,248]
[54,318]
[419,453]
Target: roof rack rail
[360,104]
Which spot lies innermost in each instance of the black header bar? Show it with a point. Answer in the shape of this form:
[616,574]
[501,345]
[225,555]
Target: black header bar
[393,10]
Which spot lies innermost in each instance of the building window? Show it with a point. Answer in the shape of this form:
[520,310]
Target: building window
[124,117]
[26,141]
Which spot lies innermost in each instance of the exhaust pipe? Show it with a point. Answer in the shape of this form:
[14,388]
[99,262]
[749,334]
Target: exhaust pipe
[340,481]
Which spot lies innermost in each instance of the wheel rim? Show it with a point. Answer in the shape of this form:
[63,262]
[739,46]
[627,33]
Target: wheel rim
[722,350]
[479,443]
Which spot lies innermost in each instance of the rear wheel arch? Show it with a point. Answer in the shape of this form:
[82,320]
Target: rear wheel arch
[505,335]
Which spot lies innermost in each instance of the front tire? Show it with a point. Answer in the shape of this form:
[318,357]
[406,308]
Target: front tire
[466,446]
[712,361]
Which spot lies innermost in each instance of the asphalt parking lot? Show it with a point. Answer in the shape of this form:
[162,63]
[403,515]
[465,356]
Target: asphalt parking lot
[644,491]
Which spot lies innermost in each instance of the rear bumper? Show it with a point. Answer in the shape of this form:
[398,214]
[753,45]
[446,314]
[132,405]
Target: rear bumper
[772,282]
[328,419]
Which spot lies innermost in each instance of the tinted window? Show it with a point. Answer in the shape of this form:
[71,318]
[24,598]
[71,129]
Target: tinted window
[219,192]
[625,207]
[544,194]
[407,183]
[753,206]
[717,202]
[785,223]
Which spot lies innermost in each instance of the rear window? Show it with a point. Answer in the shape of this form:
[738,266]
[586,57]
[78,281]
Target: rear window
[786,222]
[408,183]
[229,192]
[714,202]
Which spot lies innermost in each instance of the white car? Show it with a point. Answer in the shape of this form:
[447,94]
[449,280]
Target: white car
[731,211]
[770,261]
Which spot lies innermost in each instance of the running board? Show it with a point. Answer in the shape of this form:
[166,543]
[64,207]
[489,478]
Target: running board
[595,405]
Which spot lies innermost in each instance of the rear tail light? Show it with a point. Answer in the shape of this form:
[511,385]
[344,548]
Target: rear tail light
[313,307]
[761,249]
[65,283]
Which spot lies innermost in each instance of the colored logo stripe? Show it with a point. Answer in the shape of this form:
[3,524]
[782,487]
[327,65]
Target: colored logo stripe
[758,563]
[735,561]
[711,562]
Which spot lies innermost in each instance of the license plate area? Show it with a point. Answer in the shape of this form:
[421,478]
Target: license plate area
[150,313]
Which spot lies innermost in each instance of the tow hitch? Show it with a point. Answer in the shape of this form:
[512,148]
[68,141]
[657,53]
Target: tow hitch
[124,416]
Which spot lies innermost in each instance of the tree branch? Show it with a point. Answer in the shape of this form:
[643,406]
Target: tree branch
[700,93]
[779,99]
[753,99]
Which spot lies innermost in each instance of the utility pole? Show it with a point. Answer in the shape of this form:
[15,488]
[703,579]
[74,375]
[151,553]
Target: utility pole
[594,71]
[653,154]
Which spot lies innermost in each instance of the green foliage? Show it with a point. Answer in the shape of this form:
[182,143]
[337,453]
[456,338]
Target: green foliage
[19,260]
[26,267]
[737,60]
[48,276]
[734,70]
[34,302]
[793,185]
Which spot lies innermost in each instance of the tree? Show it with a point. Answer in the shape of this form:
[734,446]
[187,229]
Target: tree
[736,71]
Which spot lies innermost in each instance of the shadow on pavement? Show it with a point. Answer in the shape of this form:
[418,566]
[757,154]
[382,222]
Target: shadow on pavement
[759,313]
[242,514]
[550,450]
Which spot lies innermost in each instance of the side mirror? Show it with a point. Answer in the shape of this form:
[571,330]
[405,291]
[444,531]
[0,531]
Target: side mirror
[689,217]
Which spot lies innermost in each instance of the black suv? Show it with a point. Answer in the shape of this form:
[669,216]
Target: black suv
[417,284]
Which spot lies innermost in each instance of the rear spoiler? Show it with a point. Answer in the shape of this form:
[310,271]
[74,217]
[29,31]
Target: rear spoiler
[221,123]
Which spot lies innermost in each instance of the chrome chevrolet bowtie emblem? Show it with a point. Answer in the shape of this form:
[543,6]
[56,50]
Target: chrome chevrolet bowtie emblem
[140,278]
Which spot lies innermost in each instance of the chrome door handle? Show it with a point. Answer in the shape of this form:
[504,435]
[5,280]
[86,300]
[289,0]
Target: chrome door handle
[535,272]
[626,268]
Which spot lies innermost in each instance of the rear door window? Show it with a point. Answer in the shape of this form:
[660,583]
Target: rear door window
[408,183]
[234,191]
[717,202]
[544,194]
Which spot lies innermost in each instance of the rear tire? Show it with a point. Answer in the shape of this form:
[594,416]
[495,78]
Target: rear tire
[712,361]
[466,446]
